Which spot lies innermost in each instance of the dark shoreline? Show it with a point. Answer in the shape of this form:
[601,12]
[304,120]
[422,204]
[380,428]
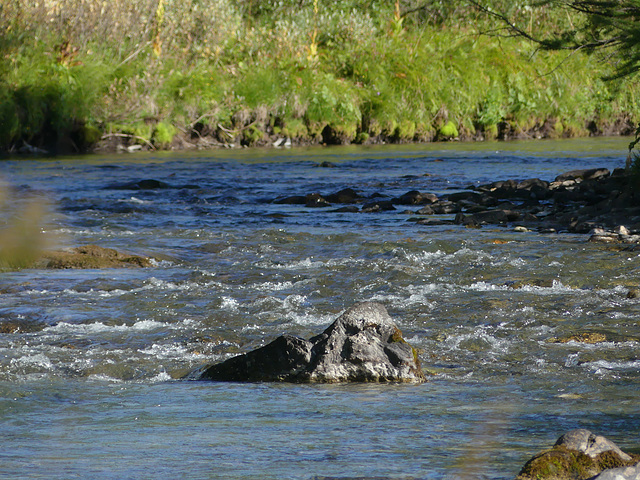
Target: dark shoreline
[222,138]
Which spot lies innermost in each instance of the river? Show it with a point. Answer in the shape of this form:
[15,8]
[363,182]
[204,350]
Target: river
[92,388]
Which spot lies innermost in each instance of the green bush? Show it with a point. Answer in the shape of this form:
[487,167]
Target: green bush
[163,134]
[290,68]
[448,131]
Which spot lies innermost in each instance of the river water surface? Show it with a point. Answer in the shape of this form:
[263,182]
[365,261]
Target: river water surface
[92,388]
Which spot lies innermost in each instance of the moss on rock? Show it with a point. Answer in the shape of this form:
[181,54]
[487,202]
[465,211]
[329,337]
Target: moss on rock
[90,256]
[586,337]
[448,131]
[561,463]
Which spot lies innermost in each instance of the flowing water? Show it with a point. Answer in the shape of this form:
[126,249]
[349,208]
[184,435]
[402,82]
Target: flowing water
[91,389]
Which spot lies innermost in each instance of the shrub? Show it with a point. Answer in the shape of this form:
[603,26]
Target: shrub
[448,131]
[163,134]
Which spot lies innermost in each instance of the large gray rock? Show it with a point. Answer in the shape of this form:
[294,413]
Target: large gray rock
[579,455]
[621,473]
[362,345]
[586,442]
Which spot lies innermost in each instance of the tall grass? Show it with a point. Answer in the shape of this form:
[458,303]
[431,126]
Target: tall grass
[243,71]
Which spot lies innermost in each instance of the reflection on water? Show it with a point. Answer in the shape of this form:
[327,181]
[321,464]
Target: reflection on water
[89,377]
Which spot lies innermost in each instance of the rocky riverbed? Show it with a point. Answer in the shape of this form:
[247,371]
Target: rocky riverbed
[595,201]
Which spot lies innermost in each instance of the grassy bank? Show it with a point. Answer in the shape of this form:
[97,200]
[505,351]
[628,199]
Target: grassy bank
[81,74]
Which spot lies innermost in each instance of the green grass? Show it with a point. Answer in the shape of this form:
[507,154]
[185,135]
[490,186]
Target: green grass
[248,71]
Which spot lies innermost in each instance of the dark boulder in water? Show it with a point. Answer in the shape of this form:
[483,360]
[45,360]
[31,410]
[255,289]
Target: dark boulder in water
[346,195]
[362,345]
[414,197]
[585,174]
[579,455]
[378,206]
[147,184]
[292,200]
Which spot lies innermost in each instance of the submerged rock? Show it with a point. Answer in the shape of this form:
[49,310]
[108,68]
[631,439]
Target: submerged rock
[19,326]
[91,256]
[577,455]
[378,206]
[346,195]
[146,184]
[362,345]
[414,197]
[590,338]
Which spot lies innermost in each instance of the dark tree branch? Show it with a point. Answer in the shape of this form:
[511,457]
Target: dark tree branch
[546,44]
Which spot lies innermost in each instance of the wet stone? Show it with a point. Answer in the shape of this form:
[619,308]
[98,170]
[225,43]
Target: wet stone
[91,256]
[415,197]
[586,337]
[346,195]
[362,345]
[577,455]
[146,184]
[585,174]
[379,206]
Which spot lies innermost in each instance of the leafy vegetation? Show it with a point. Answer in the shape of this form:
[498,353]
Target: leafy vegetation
[163,73]
[610,29]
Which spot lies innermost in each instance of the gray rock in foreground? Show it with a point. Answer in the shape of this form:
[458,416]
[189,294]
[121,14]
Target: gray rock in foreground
[621,473]
[581,455]
[362,345]
[592,445]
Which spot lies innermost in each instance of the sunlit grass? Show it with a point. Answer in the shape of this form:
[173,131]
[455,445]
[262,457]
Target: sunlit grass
[73,70]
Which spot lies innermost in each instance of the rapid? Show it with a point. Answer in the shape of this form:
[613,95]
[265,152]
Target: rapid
[91,385]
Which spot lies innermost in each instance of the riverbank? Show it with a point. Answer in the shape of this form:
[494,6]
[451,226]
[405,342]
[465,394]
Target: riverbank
[79,78]
[270,137]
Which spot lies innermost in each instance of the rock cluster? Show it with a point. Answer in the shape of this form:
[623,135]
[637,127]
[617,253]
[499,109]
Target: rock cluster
[595,201]
[581,455]
[362,345]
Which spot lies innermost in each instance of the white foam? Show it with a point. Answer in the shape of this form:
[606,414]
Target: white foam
[137,201]
[229,303]
[602,366]
[37,360]
[495,345]
[273,286]
[171,351]
[92,233]
[419,257]
[518,262]
[309,318]
[161,377]
[485,287]
[99,327]
[556,287]
[104,378]
[95,293]
[418,295]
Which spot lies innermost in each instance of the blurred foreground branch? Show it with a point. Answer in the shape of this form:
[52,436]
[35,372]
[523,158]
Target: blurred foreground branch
[21,236]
